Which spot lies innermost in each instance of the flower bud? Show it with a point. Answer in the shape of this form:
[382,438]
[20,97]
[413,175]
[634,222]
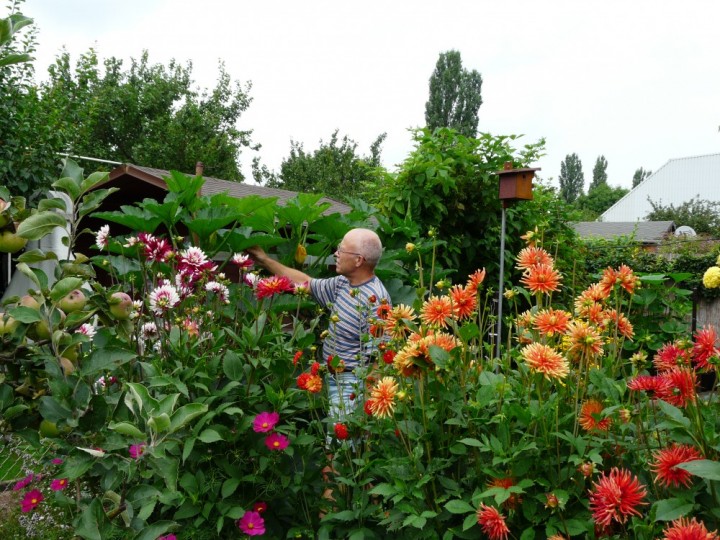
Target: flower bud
[409,247]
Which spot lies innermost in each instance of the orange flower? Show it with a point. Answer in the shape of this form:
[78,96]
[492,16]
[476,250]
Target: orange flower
[436,310]
[666,461]
[464,301]
[383,311]
[404,361]
[475,279]
[398,321]
[530,256]
[615,497]
[541,278]
[545,360]
[624,327]
[688,529]
[590,414]
[627,279]
[551,321]
[492,522]
[314,384]
[506,483]
[582,340]
[383,397]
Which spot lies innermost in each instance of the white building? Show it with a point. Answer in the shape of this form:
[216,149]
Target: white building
[676,182]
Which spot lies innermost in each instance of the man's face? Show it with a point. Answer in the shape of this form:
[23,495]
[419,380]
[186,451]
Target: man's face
[347,256]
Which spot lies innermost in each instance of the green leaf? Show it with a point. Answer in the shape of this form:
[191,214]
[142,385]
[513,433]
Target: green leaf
[229,486]
[471,442]
[384,490]
[25,314]
[93,180]
[126,428]
[68,186]
[52,204]
[458,506]
[51,409]
[103,360]
[37,255]
[93,200]
[233,366]
[152,531]
[36,275]
[186,414]
[159,423]
[469,521]
[87,524]
[345,515]
[38,225]
[63,287]
[210,436]
[704,468]
[671,509]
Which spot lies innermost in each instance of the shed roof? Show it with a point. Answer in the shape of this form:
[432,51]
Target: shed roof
[676,182]
[645,232]
[217,185]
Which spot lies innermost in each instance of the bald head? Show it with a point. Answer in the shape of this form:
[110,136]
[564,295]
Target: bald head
[367,243]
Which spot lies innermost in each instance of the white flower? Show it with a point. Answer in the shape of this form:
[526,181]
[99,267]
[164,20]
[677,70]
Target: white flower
[131,242]
[251,279]
[163,299]
[193,256]
[242,260]
[219,289]
[87,329]
[149,330]
[101,239]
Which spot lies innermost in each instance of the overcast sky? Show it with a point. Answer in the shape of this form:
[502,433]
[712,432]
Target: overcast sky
[634,80]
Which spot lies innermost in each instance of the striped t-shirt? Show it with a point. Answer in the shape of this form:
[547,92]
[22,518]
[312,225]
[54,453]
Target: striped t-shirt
[355,308]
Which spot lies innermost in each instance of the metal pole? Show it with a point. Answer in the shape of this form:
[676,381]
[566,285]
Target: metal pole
[502,276]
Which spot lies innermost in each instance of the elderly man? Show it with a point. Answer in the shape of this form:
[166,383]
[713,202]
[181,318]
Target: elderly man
[352,298]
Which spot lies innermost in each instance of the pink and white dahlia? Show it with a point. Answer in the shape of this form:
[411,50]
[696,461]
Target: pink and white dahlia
[241,260]
[163,299]
[219,289]
[101,238]
[86,329]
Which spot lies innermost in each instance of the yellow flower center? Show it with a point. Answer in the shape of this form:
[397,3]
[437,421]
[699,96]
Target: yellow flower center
[264,424]
[276,444]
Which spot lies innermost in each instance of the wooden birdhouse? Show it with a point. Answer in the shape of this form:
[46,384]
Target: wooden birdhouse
[515,184]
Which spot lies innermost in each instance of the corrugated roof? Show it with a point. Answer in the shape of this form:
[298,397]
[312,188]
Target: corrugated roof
[234,189]
[645,232]
[676,182]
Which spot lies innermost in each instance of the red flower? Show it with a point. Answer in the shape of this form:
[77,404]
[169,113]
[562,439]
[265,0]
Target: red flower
[666,461]
[615,497]
[647,383]
[252,523]
[590,416]
[679,387]
[314,368]
[297,357]
[688,529]
[277,442]
[464,301]
[341,431]
[492,522]
[58,484]
[259,507]
[302,380]
[704,348]
[273,285]
[388,356]
[670,356]
[383,311]
[367,407]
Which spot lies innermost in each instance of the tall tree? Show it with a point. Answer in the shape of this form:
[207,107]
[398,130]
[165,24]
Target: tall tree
[334,169]
[599,173]
[640,176]
[599,199]
[27,140]
[455,97]
[571,178]
[700,214]
[147,114]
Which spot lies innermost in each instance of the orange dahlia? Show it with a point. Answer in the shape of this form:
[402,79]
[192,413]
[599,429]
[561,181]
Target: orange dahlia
[383,397]
[666,461]
[475,279]
[542,278]
[551,321]
[464,301]
[545,360]
[399,321]
[591,416]
[530,256]
[506,483]
[436,311]
[582,340]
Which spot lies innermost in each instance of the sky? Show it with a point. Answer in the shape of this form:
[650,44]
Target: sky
[635,81]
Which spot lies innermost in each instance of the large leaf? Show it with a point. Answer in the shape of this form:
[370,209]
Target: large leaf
[103,360]
[37,255]
[186,414]
[41,224]
[37,276]
[704,468]
[132,217]
[93,200]
[458,506]
[63,287]
[672,509]
[126,428]
[210,220]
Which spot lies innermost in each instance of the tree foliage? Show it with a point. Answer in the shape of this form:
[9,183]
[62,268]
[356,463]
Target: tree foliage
[455,96]
[147,114]
[335,168]
[700,214]
[599,199]
[599,173]
[571,178]
[449,185]
[640,176]
[27,140]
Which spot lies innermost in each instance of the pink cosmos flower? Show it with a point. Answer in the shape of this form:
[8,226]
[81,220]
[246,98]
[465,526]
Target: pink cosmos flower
[56,461]
[252,523]
[167,537]
[276,441]
[265,422]
[58,484]
[25,482]
[31,500]
[136,450]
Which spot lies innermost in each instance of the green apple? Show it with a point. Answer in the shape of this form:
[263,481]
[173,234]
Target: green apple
[7,326]
[11,242]
[73,301]
[120,305]
[29,301]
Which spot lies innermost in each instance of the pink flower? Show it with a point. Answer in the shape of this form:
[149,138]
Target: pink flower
[252,523]
[56,461]
[276,441]
[273,285]
[242,260]
[259,507]
[31,500]
[58,484]
[25,482]
[155,249]
[265,422]
[136,450]
[163,299]
[167,537]
[101,238]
